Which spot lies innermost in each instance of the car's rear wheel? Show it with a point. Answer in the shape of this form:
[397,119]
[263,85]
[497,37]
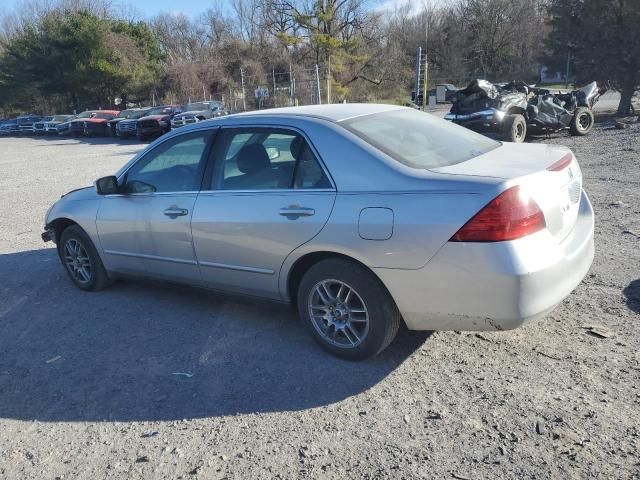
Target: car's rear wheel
[581,122]
[81,260]
[514,128]
[347,309]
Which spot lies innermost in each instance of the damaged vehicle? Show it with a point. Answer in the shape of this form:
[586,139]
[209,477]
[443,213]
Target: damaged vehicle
[515,109]
[547,111]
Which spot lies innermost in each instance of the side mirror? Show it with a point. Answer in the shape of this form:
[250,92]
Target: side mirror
[273,153]
[107,185]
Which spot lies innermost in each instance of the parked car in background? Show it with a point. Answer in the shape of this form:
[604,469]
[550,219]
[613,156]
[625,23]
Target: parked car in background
[25,124]
[9,127]
[264,204]
[92,122]
[62,128]
[197,112]
[129,114]
[39,127]
[50,123]
[157,122]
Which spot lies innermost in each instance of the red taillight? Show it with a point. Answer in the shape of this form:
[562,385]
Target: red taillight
[561,164]
[510,215]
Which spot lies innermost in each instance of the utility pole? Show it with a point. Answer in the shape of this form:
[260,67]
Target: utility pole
[204,94]
[291,86]
[566,74]
[329,80]
[418,74]
[273,73]
[318,84]
[244,101]
[425,95]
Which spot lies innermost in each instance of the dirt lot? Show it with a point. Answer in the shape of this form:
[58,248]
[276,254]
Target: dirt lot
[87,379]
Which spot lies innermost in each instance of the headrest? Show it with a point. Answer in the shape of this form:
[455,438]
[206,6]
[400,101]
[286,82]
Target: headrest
[295,146]
[252,158]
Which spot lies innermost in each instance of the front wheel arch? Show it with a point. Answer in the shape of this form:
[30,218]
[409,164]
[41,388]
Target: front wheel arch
[59,225]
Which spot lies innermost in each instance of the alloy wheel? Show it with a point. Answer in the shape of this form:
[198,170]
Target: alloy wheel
[338,313]
[77,261]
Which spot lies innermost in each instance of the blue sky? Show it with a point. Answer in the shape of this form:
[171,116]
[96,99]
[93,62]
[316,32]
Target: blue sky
[188,7]
[191,8]
[147,8]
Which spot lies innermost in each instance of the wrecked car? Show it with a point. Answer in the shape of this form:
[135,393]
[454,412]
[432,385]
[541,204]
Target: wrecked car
[547,111]
[514,109]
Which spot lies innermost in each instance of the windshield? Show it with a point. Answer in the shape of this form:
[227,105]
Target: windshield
[87,114]
[134,113]
[108,116]
[160,111]
[61,118]
[418,139]
[195,107]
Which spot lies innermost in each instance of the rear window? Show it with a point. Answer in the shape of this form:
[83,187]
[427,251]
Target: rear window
[418,139]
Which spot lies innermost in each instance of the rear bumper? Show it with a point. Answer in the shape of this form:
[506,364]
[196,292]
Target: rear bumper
[494,286]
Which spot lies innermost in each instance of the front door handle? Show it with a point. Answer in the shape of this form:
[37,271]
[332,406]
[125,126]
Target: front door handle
[295,212]
[175,212]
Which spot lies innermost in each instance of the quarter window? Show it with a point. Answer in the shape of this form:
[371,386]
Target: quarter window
[173,166]
[265,159]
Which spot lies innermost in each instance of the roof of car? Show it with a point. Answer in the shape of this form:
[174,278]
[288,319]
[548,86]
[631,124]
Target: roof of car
[334,112]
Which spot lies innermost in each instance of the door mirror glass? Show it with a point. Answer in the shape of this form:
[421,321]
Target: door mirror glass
[107,185]
[273,152]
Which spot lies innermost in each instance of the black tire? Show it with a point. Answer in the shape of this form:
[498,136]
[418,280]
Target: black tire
[368,294]
[514,128]
[97,277]
[581,122]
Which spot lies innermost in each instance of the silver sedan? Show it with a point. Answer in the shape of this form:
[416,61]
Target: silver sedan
[363,216]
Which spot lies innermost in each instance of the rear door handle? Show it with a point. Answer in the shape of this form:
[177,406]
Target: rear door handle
[174,212]
[297,212]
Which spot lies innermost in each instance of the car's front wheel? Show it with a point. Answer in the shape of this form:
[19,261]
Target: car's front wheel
[81,260]
[347,309]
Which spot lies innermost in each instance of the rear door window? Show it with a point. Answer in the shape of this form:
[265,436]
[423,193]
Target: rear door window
[265,159]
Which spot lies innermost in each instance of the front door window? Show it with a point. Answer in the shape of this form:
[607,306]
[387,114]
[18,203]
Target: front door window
[173,166]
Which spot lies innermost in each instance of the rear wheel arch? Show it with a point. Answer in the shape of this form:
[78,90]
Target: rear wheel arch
[304,263]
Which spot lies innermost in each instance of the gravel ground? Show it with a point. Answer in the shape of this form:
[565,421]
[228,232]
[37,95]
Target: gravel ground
[239,390]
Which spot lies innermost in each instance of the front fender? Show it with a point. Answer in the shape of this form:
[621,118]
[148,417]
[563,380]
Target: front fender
[80,207]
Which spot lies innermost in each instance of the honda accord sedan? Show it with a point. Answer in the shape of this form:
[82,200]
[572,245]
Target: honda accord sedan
[362,216]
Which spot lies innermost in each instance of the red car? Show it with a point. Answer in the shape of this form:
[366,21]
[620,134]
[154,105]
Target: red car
[157,122]
[92,122]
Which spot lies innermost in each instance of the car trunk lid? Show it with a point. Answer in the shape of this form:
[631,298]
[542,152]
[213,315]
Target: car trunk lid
[550,174]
